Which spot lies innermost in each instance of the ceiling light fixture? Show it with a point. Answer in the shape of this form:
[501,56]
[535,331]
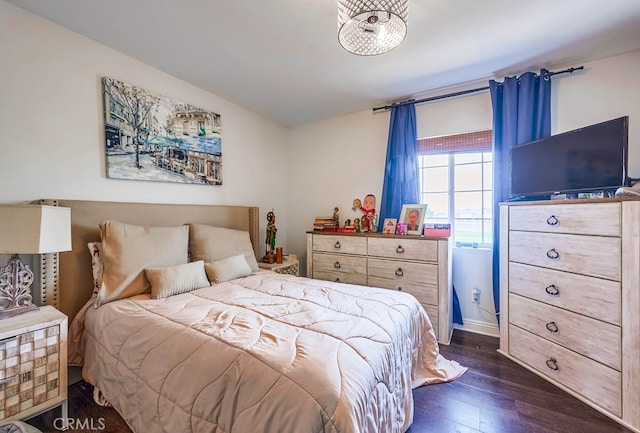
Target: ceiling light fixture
[371,27]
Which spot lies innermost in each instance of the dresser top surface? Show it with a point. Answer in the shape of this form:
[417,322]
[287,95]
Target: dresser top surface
[377,235]
[571,201]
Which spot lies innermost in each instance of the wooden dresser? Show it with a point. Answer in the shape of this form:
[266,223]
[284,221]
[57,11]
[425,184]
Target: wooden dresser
[570,298]
[416,265]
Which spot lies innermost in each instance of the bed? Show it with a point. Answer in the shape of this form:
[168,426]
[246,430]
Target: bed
[245,351]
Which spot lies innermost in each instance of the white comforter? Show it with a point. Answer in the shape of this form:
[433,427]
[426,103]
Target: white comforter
[266,353]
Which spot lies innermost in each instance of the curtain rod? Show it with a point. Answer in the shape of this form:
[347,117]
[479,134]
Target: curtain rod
[463,92]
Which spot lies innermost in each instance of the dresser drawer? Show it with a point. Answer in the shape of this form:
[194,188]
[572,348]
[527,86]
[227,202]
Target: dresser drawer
[404,271]
[340,244]
[589,218]
[594,297]
[596,382]
[595,339]
[336,267]
[588,255]
[424,293]
[405,249]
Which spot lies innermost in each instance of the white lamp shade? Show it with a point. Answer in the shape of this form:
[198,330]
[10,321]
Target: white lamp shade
[34,229]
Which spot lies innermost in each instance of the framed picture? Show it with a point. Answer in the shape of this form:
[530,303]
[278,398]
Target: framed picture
[389,225]
[413,216]
[152,138]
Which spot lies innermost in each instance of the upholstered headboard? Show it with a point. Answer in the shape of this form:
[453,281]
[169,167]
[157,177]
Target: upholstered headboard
[66,278]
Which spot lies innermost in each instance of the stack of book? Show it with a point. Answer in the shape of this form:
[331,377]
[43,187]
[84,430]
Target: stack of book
[326,224]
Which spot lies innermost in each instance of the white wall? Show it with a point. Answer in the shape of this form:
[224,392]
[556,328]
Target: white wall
[51,125]
[52,143]
[335,160]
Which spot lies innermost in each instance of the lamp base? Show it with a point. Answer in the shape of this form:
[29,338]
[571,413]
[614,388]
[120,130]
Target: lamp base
[15,311]
[15,288]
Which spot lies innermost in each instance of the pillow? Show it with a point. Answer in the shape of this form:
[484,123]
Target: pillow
[227,269]
[96,265]
[173,280]
[211,244]
[128,249]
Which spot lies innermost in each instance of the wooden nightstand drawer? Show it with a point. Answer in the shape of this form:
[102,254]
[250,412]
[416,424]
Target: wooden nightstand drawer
[404,249]
[291,266]
[33,363]
[593,219]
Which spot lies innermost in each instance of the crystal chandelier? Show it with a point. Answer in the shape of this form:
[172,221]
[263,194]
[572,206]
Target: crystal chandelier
[371,27]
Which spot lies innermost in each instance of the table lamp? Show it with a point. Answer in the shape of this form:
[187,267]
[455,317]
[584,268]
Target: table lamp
[28,229]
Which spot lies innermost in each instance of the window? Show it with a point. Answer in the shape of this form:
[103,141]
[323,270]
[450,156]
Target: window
[456,184]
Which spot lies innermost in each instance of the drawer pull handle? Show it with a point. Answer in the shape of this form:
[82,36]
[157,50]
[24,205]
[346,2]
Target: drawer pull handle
[552,363]
[552,220]
[400,289]
[552,290]
[337,279]
[399,272]
[337,265]
[399,250]
[552,327]
[553,254]
[337,245]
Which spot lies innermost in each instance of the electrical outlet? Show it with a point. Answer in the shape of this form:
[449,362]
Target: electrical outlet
[475,295]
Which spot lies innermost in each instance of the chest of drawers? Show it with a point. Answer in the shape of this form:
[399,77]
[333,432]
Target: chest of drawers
[416,265]
[33,364]
[570,298]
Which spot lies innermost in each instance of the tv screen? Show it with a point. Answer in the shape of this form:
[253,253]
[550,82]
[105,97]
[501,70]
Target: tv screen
[593,158]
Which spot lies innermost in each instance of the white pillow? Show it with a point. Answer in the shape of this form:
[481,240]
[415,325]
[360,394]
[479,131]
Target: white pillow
[227,269]
[210,243]
[128,249]
[173,280]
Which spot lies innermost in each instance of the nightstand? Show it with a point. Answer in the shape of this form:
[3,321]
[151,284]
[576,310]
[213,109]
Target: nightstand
[290,266]
[33,364]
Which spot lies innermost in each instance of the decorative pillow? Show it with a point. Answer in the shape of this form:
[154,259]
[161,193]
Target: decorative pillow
[227,269]
[128,249]
[210,243]
[173,280]
[96,265]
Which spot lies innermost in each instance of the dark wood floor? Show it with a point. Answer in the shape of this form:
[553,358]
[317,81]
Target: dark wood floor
[494,396]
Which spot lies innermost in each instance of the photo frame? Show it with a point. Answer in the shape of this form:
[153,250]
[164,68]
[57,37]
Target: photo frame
[413,216]
[389,226]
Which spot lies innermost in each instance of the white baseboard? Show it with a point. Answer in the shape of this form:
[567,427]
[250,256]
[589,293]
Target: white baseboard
[479,327]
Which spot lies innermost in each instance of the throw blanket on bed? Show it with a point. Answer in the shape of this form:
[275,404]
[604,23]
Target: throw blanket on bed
[265,353]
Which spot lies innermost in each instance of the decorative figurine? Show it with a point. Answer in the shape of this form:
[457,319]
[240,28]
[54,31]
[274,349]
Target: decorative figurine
[270,241]
[368,208]
[356,225]
[336,216]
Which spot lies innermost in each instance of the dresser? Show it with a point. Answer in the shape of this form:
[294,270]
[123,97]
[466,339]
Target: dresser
[33,364]
[413,264]
[570,298]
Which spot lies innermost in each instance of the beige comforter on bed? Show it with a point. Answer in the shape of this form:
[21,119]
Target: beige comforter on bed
[266,353]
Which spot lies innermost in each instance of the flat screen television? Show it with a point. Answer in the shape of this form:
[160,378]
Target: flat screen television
[588,159]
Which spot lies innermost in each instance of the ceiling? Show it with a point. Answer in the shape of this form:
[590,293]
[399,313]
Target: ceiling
[282,59]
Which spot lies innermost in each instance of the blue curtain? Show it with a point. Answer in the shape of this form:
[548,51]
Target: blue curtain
[521,113]
[401,178]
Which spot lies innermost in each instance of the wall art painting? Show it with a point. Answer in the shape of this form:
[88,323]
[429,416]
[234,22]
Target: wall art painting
[152,138]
